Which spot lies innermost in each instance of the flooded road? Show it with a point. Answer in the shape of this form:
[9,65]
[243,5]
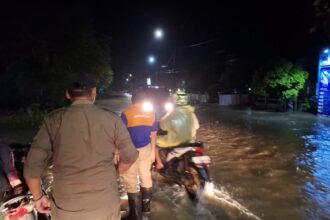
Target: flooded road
[275,165]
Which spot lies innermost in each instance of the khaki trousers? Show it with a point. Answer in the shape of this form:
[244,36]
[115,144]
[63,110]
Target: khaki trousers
[100,214]
[140,171]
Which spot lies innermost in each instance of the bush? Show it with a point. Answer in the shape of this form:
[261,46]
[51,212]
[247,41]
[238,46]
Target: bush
[30,117]
[308,105]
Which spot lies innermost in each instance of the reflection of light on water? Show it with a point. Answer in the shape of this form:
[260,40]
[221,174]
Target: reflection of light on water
[221,198]
[316,159]
[209,189]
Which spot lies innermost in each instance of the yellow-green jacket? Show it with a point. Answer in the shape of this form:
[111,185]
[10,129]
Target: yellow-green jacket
[181,125]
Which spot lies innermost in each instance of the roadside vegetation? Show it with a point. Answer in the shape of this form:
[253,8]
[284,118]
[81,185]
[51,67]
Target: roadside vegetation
[280,80]
[36,66]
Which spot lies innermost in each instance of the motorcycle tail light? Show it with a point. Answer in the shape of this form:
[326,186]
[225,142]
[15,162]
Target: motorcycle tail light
[199,151]
[17,213]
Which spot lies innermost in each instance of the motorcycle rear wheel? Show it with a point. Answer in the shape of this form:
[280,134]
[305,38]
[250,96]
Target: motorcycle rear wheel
[193,183]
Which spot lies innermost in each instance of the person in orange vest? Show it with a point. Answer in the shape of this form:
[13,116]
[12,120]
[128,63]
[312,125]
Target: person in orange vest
[142,127]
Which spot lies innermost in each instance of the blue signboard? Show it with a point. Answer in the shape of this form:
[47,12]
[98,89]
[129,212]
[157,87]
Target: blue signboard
[324,84]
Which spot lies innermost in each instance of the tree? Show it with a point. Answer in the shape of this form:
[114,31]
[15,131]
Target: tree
[281,79]
[39,57]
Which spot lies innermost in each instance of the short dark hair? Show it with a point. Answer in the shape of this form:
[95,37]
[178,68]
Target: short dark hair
[76,90]
[81,85]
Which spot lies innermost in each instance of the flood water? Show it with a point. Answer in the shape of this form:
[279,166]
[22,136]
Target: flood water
[274,165]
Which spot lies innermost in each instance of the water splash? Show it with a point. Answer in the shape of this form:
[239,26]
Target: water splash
[231,207]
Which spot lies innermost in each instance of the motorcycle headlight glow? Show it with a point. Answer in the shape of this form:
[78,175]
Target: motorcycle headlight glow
[147,107]
[168,106]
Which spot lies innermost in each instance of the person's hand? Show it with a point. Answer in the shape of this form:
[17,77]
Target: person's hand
[159,165]
[116,157]
[15,183]
[43,205]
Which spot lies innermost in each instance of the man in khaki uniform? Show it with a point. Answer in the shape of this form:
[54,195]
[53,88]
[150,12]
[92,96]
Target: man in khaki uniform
[81,141]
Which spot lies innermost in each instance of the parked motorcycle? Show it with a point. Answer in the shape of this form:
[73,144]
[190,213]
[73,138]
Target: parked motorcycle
[187,166]
[21,207]
[17,203]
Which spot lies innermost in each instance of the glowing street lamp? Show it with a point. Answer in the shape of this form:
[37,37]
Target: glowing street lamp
[159,34]
[151,59]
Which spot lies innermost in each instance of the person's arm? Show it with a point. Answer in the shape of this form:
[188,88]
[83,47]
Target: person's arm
[159,163]
[153,136]
[122,166]
[35,164]
[7,164]
[123,143]
[41,201]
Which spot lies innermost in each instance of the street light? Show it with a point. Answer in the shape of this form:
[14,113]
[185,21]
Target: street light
[159,34]
[151,59]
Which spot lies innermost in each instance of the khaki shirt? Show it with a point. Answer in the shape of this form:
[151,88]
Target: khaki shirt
[81,141]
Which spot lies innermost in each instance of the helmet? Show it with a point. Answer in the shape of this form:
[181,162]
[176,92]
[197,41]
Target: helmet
[180,97]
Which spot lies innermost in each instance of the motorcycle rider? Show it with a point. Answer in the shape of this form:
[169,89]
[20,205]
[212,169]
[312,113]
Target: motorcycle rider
[9,179]
[181,123]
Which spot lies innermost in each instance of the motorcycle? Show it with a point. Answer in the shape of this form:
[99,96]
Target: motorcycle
[187,166]
[18,203]
[21,207]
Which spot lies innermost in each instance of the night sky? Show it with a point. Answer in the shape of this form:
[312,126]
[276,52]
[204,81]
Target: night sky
[246,32]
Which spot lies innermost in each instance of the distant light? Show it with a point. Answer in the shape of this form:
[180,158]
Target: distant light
[151,59]
[130,75]
[156,87]
[159,34]
[326,51]
[163,66]
[170,90]
[147,106]
[249,89]
[179,90]
[149,81]
[168,106]
[127,79]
